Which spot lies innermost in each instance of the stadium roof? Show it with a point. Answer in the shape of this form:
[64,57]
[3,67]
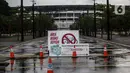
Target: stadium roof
[61,8]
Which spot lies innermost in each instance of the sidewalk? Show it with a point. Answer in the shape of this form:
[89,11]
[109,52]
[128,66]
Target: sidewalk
[4,42]
[19,46]
[118,39]
[25,47]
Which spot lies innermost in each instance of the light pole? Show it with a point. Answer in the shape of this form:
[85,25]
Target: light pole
[40,34]
[33,2]
[95,27]
[18,17]
[22,33]
[108,21]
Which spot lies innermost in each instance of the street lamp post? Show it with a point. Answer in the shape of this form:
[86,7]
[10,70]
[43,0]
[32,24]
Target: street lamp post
[40,35]
[33,2]
[22,34]
[95,27]
[108,21]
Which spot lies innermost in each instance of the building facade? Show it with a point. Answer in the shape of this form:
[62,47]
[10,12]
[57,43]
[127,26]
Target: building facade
[63,19]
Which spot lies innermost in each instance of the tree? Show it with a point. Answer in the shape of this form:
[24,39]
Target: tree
[118,23]
[102,14]
[85,24]
[122,23]
[4,10]
[44,23]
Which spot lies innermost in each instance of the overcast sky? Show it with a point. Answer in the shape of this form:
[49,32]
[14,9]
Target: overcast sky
[13,3]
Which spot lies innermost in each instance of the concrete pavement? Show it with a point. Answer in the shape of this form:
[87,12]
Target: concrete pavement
[119,41]
[117,38]
[4,52]
[4,42]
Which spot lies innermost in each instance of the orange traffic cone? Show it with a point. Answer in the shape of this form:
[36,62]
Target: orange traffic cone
[41,54]
[50,70]
[11,52]
[74,54]
[105,51]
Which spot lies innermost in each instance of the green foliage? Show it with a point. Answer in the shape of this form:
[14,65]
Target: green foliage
[11,24]
[4,8]
[120,23]
[44,22]
[85,24]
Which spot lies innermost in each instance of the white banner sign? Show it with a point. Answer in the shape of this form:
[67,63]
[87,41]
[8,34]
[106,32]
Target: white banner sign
[57,38]
[81,49]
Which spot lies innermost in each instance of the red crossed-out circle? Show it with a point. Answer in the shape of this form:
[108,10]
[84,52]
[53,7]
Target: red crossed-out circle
[68,39]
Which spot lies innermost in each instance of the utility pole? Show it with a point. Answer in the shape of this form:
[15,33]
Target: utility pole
[33,19]
[95,27]
[22,33]
[40,35]
[108,21]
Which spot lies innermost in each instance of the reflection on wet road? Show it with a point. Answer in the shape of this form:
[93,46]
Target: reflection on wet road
[27,66]
[67,64]
[70,65]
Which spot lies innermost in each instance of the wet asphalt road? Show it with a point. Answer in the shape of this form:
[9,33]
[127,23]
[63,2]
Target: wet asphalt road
[68,65]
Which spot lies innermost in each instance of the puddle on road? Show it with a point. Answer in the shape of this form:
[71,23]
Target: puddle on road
[83,65]
[27,66]
[69,65]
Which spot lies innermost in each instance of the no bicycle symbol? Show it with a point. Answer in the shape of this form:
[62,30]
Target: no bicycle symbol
[69,39]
